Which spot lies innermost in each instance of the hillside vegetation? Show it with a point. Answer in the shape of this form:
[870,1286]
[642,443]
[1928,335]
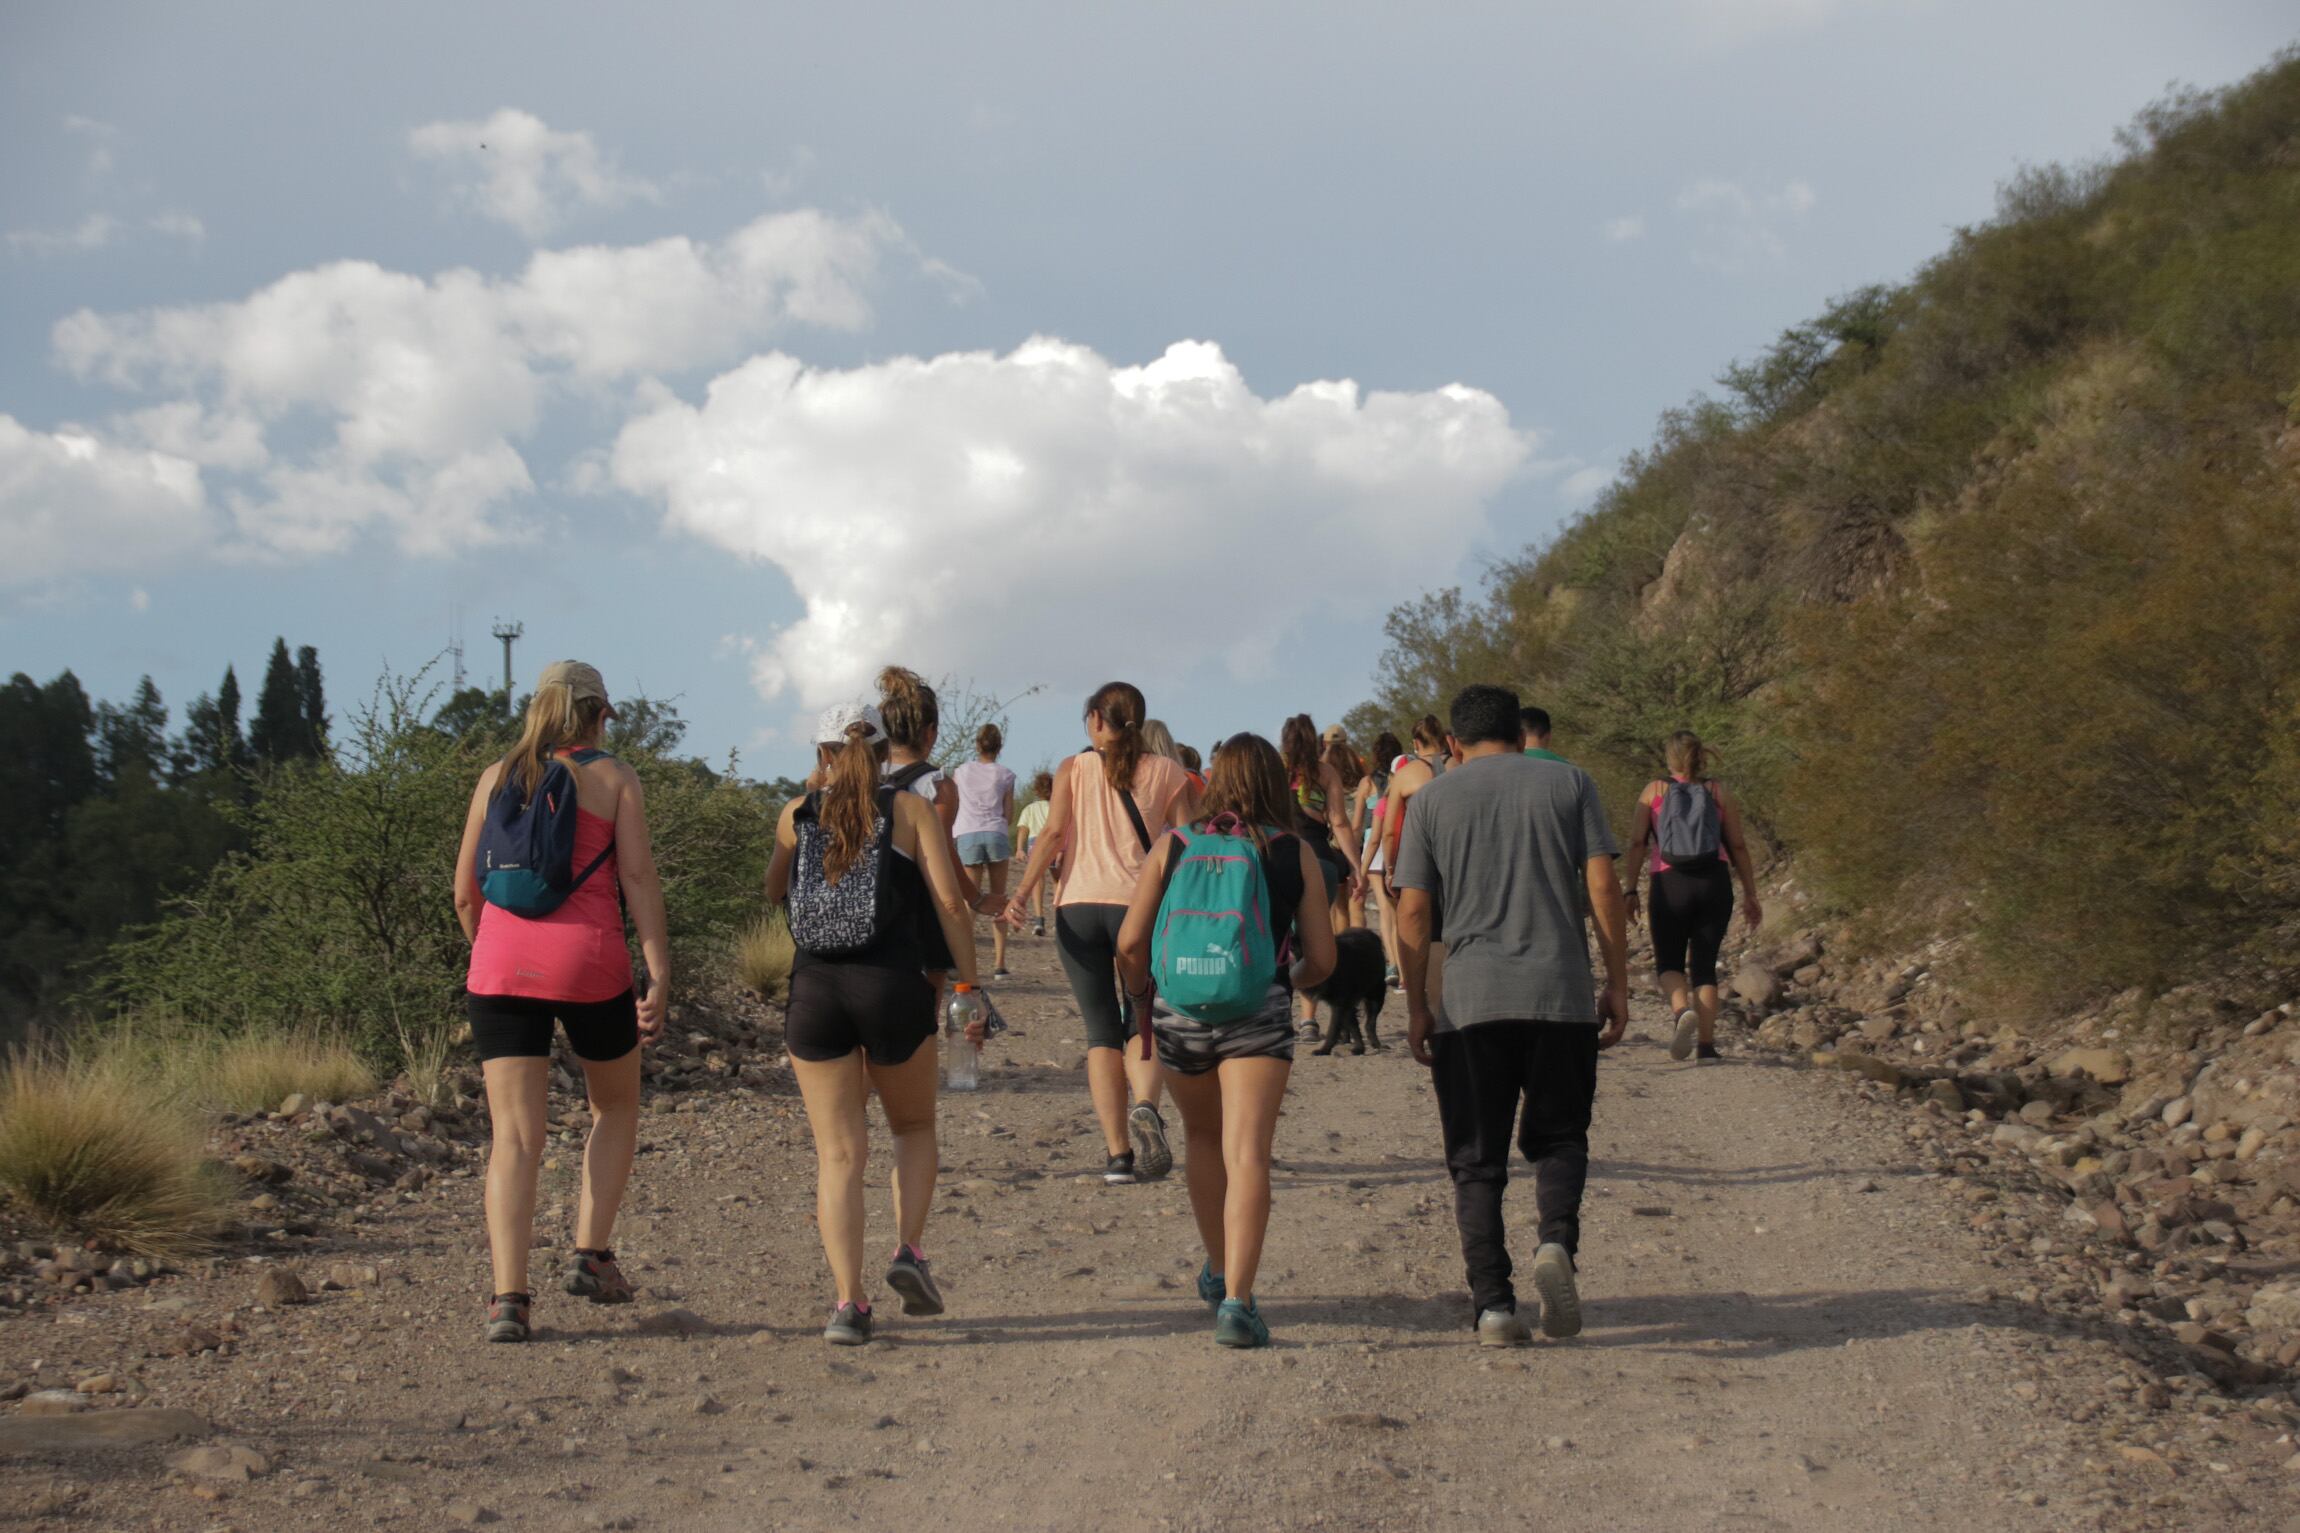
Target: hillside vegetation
[1987,585]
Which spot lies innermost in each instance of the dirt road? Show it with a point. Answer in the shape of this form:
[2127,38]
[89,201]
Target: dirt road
[1787,1328]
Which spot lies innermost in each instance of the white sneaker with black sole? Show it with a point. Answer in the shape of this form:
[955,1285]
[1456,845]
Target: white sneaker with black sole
[1688,1028]
[1503,1328]
[1560,1300]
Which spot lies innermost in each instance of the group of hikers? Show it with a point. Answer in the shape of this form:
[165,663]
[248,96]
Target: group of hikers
[1197,906]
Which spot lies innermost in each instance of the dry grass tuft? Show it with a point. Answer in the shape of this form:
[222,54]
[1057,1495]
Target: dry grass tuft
[764,954]
[255,1072]
[107,1154]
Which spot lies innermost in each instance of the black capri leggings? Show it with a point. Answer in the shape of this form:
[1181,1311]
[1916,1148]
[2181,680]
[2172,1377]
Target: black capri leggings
[1087,936]
[1692,907]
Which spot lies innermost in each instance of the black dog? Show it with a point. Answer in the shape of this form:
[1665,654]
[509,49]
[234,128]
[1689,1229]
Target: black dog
[1357,988]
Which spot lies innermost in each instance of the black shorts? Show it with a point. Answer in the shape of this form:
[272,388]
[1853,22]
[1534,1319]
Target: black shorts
[1692,908]
[519,1027]
[836,1008]
[1087,937]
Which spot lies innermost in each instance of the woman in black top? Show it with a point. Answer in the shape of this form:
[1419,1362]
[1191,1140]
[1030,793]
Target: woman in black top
[863,1021]
[1229,1079]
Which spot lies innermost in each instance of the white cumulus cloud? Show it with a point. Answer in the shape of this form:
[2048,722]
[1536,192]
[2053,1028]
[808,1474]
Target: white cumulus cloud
[400,399]
[1052,514]
[72,504]
[519,170]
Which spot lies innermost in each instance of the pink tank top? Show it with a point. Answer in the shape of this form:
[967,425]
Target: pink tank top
[576,953]
[1104,855]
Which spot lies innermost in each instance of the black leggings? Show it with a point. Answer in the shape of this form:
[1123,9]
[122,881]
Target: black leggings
[1087,936]
[1692,907]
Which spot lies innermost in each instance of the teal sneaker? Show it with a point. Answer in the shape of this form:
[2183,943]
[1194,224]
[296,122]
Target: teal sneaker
[1239,1324]
[1211,1287]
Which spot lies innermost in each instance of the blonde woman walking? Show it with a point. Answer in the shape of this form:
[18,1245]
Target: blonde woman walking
[547,951]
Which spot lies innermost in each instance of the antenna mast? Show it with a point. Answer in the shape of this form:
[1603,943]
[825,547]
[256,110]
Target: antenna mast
[455,643]
[510,633]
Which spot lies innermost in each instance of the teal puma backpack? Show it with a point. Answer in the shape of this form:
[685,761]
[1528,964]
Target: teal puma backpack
[1213,956]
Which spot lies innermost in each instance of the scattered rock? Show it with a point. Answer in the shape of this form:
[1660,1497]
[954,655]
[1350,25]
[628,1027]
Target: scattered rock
[1359,1421]
[220,1461]
[294,1105]
[99,1384]
[469,1513]
[2176,1111]
[2110,1067]
[54,1402]
[349,1275]
[281,1286]
[97,1429]
[673,1322]
[1758,986]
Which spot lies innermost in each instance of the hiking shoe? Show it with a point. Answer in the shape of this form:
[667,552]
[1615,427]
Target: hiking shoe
[1503,1328]
[1688,1027]
[849,1327]
[908,1275]
[1237,1323]
[507,1317]
[1211,1287]
[1560,1301]
[1707,1054]
[1152,1155]
[1038,928]
[1391,978]
[1118,1170]
[593,1275]
[1002,974]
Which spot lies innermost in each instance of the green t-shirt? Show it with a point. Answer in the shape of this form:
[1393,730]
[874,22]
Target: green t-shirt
[1538,753]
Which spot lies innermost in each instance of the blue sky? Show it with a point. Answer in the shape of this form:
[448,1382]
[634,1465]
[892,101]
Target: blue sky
[763,344]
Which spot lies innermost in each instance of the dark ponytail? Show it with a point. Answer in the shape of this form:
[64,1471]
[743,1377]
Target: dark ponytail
[1298,746]
[909,708]
[1120,706]
[1429,732]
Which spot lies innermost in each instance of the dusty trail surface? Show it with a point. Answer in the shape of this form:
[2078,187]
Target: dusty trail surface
[1788,1327]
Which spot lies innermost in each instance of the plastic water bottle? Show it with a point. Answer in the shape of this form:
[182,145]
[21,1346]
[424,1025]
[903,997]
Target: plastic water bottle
[961,1055]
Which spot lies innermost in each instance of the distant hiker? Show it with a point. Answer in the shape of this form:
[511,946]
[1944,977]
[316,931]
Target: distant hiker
[1537,734]
[1322,819]
[985,807]
[1503,849]
[911,716]
[1373,793]
[1219,919]
[1029,825]
[555,849]
[1111,802]
[1194,764]
[861,865]
[1689,835]
[1349,770]
[1431,754]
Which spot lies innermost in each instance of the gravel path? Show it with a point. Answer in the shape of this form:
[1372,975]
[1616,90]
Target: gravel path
[1788,1328]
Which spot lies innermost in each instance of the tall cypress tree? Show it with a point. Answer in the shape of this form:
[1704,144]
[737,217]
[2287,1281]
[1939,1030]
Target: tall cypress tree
[134,736]
[312,700]
[212,738]
[278,734]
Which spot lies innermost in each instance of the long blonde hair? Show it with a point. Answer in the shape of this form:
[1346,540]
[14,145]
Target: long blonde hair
[1687,756]
[554,720]
[1158,740]
[848,810]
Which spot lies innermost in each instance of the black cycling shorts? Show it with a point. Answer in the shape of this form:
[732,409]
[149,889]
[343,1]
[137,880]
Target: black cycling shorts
[519,1027]
[836,1008]
[1086,935]
[1691,910]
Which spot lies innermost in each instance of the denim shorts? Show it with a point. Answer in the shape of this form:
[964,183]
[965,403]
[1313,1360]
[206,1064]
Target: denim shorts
[979,847]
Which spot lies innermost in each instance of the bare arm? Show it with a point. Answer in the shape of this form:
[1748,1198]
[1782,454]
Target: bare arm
[467,897]
[1414,910]
[1403,783]
[1043,848]
[1142,917]
[1639,842]
[643,897]
[1610,915]
[1737,847]
[786,848]
[914,818]
[1338,819]
[1316,959]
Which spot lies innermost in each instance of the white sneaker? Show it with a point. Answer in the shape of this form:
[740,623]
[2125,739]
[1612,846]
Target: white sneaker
[1688,1027]
[1503,1328]
[1560,1300]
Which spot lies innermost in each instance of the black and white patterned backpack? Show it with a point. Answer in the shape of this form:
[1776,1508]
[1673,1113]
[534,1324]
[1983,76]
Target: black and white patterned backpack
[829,920]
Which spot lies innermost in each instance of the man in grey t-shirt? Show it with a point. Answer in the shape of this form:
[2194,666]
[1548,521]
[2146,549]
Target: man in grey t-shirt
[1502,850]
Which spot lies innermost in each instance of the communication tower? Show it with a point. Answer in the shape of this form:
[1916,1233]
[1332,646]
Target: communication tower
[510,633]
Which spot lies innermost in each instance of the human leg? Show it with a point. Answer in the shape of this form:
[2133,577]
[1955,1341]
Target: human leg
[906,1092]
[1559,1068]
[997,875]
[1477,1094]
[834,1092]
[1714,919]
[613,1089]
[1252,1090]
[518,1094]
[1199,1099]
